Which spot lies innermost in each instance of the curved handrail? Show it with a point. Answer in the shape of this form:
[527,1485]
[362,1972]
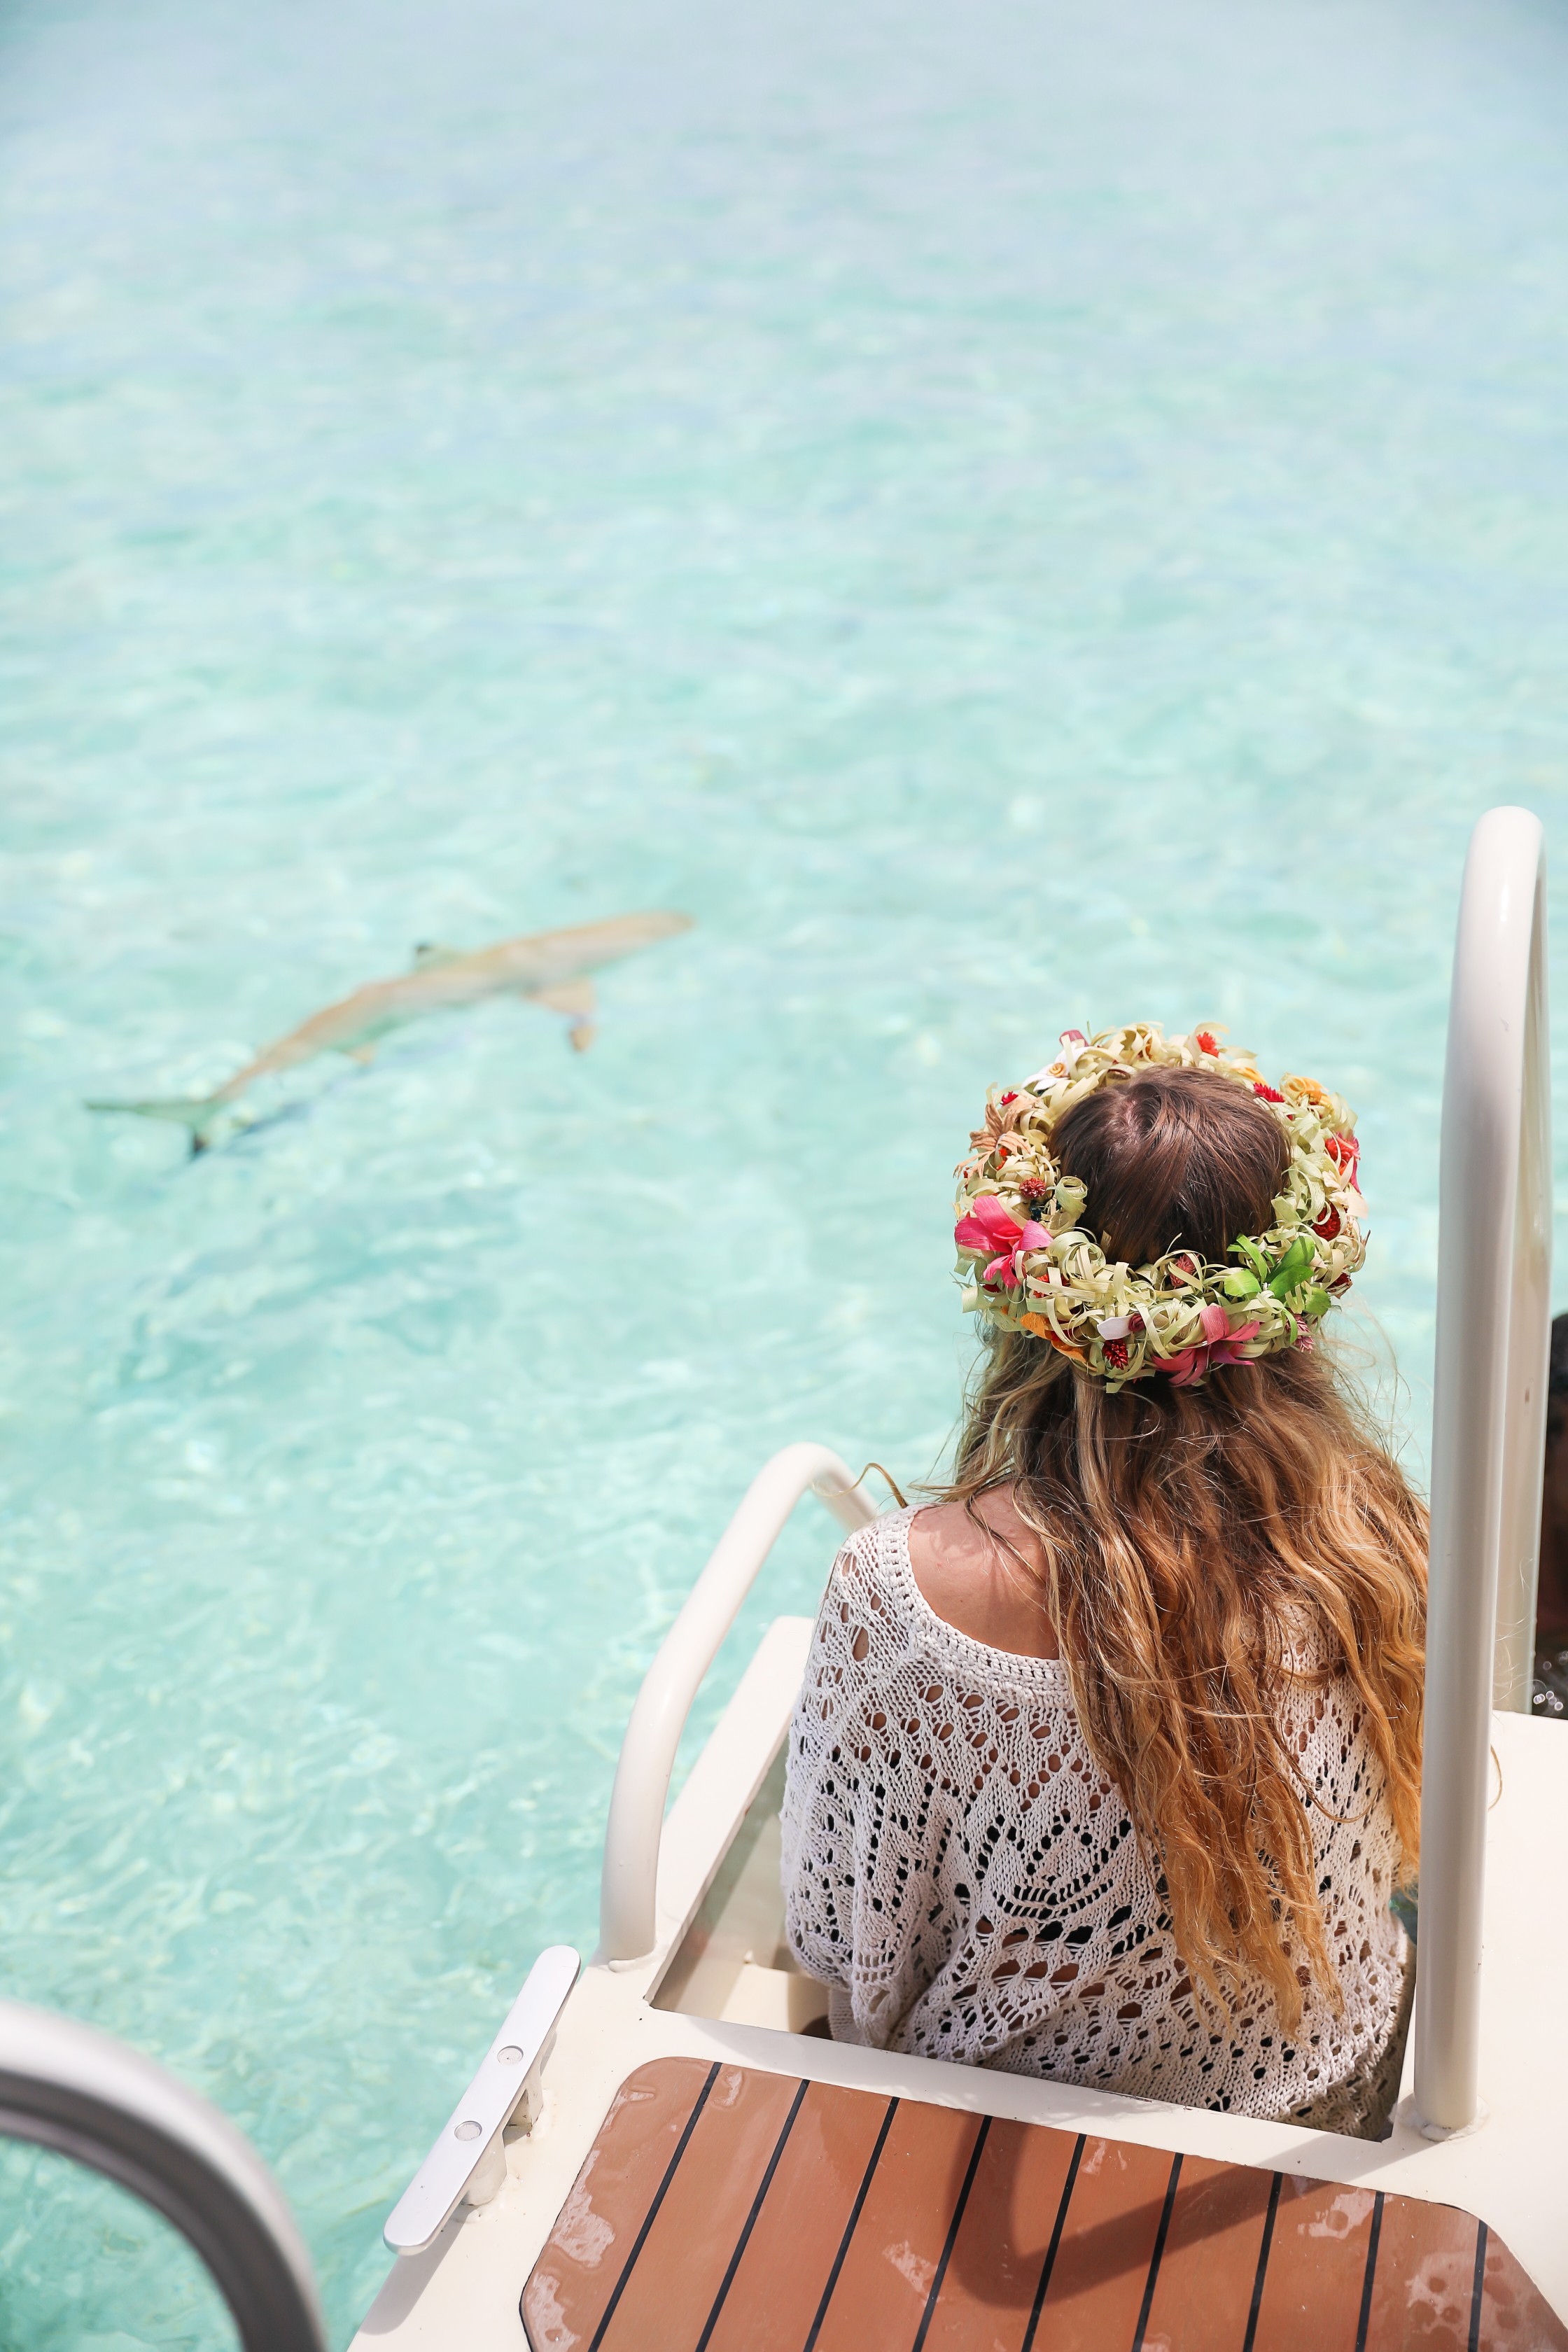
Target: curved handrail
[1489,1417]
[630,1884]
[65,2086]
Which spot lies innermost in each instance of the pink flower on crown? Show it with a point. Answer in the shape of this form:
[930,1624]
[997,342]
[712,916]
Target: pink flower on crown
[988,1226]
[1220,1345]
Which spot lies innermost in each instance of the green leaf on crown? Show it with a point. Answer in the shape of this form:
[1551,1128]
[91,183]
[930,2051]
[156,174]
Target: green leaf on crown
[1261,1266]
[1294,1267]
[1280,1275]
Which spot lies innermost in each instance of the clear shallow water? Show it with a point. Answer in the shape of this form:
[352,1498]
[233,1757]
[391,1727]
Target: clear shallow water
[1040,517]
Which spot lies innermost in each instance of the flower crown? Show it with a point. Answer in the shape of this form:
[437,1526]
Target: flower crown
[1029,1265]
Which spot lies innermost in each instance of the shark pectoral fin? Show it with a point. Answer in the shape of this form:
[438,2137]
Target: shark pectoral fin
[577,997]
[430,952]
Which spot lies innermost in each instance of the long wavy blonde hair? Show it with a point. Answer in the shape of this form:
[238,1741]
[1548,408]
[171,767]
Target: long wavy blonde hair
[1189,1536]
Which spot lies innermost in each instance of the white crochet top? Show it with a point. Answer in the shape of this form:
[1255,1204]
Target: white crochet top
[964,1878]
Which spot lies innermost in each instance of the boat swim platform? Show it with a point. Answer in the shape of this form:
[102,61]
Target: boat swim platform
[723,2210]
[717,2001]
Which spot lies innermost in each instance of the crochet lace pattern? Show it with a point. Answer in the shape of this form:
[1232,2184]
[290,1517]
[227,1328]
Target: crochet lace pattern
[966,1880]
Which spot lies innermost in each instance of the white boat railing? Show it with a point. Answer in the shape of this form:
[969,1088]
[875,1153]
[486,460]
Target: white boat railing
[628,1894]
[66,2086]
[466,2162]
[1494,1263]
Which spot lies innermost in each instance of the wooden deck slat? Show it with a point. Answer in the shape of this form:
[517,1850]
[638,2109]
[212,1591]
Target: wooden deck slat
[987,2295]
[1203,2292]
[882,2291]
[796,2237]
[726,2210]
[681,2264]
[1102,2264]
[1515,2314]
[582,2264]
[1422,2292]
[1316,2276]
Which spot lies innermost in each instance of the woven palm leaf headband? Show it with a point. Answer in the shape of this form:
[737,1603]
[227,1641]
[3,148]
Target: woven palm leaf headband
[1027,1263]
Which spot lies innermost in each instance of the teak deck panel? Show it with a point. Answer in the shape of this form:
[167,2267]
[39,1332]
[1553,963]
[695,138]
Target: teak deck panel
[724,2210]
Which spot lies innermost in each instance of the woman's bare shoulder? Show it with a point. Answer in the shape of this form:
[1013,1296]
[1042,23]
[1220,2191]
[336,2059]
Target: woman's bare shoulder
[979,1571]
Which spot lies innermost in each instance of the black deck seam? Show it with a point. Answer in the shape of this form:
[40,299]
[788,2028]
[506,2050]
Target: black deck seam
[652,2214]
[1477,2289]
[927,2315]
[1364,2322]
[861,2196]
[1161,2234]
[1049,2265]
[1266,2240]
[728,2280]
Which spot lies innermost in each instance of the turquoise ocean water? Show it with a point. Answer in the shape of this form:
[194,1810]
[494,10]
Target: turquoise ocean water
[1016,516]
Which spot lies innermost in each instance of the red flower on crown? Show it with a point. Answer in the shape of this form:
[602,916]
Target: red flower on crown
[1207,1042]
[1266,1094]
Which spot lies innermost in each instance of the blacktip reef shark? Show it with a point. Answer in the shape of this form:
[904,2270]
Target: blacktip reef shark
[549,968]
